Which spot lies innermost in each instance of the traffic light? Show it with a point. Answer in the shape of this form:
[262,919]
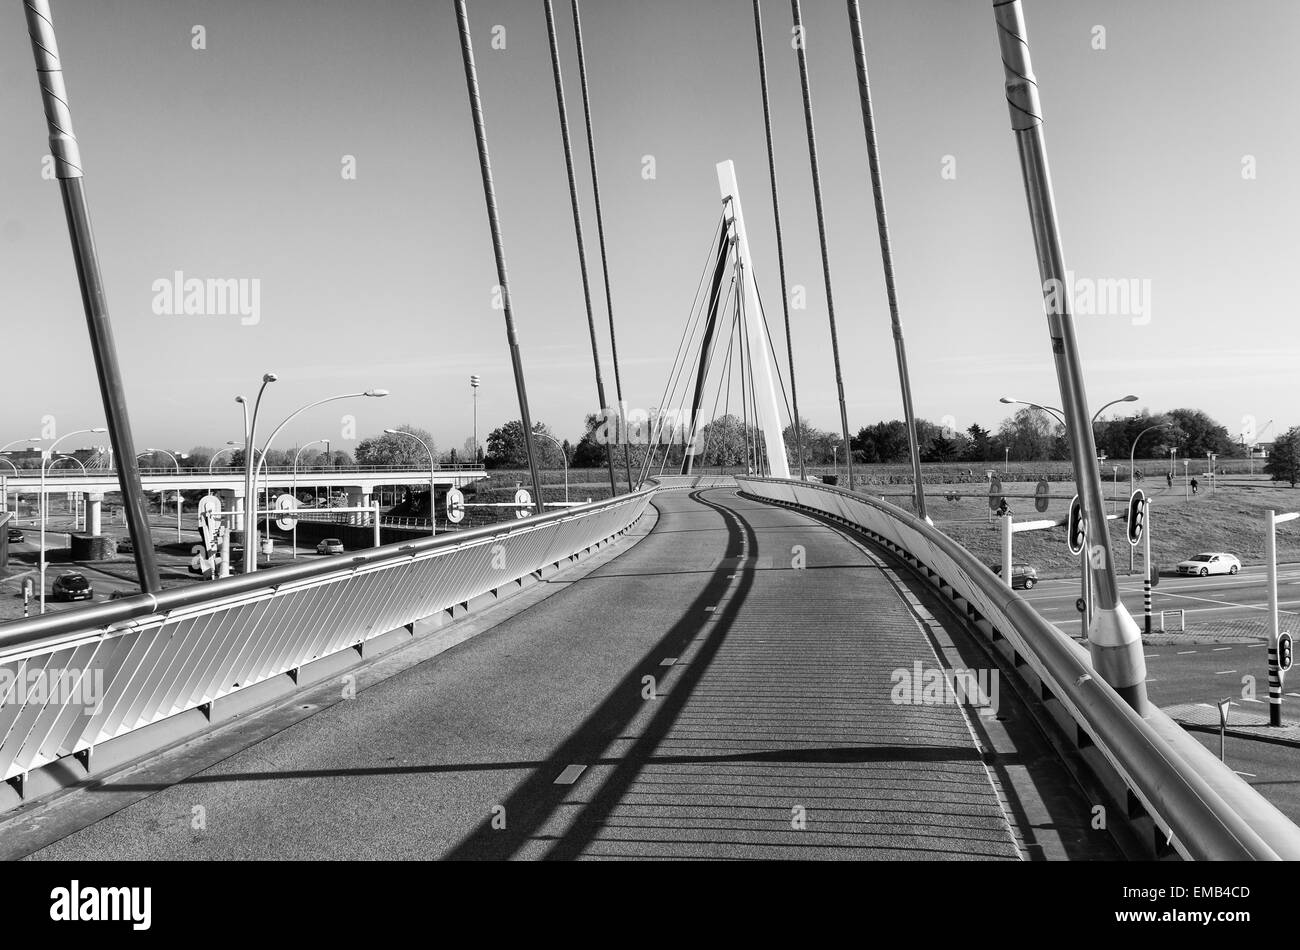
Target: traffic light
[1137,517]
[1076,527]
[1284,652]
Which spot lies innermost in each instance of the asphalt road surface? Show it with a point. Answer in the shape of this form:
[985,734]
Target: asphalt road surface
[697,696]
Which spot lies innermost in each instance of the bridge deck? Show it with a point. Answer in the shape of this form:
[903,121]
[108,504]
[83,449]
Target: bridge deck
[773,700]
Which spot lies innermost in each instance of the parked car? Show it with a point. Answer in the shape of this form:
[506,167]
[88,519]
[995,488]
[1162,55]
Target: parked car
[124,545]
[330,546]
[73,586]
[16,536]
[1210,563]
[1022,575]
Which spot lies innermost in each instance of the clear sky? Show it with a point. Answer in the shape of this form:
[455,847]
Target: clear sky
[226,163]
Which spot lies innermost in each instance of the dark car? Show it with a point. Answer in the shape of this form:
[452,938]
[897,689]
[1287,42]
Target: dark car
[1022,575]
[124,546]
[73,586]
[16,536]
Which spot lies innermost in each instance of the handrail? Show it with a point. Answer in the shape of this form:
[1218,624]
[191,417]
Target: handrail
[1201,823]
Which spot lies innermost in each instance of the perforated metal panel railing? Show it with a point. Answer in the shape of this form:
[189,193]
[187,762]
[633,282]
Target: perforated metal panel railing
[1204,809]
[73,679]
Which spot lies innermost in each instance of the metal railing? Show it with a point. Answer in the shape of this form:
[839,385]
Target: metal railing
[199,474]
[125,664]
[1206,810]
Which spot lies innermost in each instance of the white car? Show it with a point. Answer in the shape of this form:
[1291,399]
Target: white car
[1203,565]
[330,546]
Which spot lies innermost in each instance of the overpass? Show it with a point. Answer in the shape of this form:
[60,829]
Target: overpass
[359,481]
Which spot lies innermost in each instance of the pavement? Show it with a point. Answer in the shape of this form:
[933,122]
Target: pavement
[697,696]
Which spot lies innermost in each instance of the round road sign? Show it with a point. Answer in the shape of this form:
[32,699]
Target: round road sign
[1079,605]
[525,503]
[209,506]
[995,493]
[1040,495]
[285,503]
[455,505]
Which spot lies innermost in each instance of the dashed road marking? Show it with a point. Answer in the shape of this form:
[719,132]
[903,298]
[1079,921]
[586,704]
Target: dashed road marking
[570,774]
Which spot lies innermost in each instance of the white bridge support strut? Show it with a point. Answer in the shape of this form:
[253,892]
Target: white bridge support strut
[769,415]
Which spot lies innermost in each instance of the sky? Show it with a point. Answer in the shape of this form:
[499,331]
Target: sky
[1168,154]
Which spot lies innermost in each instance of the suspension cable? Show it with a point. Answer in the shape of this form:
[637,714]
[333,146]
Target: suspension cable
[577,228]
[780,244]
[498,249]
[688,332]
[600,229]
[886,253]
[821,229]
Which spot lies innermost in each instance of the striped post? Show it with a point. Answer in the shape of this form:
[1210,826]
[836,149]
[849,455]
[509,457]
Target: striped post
[1274,675]
[1146,565]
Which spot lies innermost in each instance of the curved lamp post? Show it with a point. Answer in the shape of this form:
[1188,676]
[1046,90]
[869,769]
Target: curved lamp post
[433,521]
[4,501]
[54,445]
[76,522]
[250,490]
[250,527]
[160,492]
[295,490]
[566,465]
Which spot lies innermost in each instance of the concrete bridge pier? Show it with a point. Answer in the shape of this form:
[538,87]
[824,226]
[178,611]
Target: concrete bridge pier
[94,513]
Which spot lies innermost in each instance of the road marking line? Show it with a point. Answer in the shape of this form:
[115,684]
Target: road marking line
[570,774]
[1185,652]
[1247,774]
[1220,649]
[1246,699]
[1222,672]
[668,661]
[1151,656]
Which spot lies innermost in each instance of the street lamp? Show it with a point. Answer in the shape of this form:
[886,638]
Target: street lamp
[160,493]
[231,445]
[250,483]
[1132,461]
[564,456]
[250,533]
[1060,417]
[295,490]
[473,382]
[433,521]
[45,458]
[1186,486]
[76,522]
[4,498]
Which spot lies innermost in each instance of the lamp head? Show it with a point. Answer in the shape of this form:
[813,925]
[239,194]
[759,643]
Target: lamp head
[376,392]
[240,399]
[391,431]
[269,377]
[99,429]
[1129,399]
[1008,400]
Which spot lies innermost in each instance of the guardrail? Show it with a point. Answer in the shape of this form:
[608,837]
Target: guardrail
[695,481]
[417,470]
[123,665]
[1201,808]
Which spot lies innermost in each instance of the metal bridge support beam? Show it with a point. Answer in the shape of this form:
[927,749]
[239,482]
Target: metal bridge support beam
[769,414]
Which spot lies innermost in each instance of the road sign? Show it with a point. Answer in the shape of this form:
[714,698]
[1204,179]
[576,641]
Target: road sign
[455,505]
[1284,652]
[1040,495]
[285,503]
[525,503]
[209,507]
[995,493]
[1137,517]
[1079,605]
[1076,527]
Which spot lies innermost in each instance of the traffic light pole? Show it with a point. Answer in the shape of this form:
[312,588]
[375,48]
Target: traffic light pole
[1274,634]
[1114,638]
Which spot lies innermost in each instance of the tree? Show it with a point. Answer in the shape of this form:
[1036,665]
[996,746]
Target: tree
[390,449]
[1028,434]
[724,441]
[981,444]
[506,447]
[882,442]
[1195,434]
[1283,463]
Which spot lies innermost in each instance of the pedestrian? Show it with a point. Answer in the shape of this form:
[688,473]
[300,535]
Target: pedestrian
[1194,486]
[1169,477]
